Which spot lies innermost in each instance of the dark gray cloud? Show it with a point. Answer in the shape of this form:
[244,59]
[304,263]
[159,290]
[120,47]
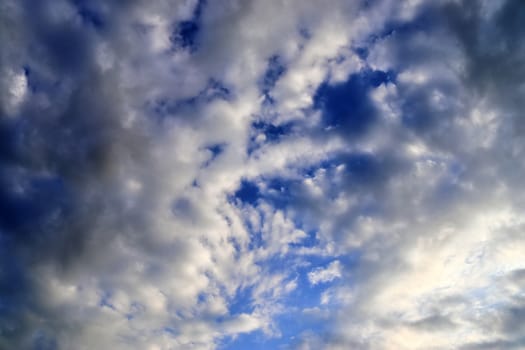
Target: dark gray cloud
[60,159]
[433,323]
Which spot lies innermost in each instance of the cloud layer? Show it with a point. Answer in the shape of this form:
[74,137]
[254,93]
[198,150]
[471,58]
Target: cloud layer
[262,174]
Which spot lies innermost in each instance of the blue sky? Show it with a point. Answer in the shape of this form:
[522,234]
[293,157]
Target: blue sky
[185,174]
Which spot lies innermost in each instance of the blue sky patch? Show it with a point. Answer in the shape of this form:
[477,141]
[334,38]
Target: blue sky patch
[91,16]
[346,106]
[248,192]
[186,32]
[276,68]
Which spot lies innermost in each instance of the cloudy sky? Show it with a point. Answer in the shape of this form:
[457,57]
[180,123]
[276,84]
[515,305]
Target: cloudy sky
[262,174]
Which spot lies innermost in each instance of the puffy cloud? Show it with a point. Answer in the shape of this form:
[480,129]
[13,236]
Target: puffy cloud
[328,274]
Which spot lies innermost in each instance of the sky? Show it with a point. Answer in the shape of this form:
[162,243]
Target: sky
[262,174]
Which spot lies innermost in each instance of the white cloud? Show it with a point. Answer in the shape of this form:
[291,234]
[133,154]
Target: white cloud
[328,274]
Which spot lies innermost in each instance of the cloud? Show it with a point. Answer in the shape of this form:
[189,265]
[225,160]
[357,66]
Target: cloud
[15,88]
[328,274]
[192,174]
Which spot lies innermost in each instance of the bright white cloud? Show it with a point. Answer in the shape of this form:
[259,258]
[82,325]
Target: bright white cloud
[328,274]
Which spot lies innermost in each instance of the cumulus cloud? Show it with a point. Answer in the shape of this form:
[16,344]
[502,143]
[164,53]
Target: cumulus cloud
[219,174]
